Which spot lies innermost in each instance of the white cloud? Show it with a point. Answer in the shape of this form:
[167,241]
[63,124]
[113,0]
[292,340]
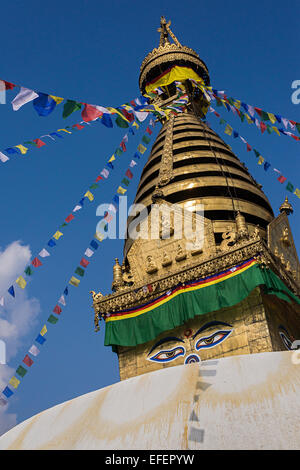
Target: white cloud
[16,319]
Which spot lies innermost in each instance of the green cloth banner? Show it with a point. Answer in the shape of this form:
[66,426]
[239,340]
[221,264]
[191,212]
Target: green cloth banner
[141,324]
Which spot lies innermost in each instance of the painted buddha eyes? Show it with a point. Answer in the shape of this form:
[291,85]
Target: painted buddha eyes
[168,355]
[212,340]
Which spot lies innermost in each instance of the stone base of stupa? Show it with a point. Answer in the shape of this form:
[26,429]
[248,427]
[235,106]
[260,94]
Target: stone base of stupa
[239,402]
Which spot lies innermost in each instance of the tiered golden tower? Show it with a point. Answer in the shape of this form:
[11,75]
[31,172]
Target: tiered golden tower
[189,167]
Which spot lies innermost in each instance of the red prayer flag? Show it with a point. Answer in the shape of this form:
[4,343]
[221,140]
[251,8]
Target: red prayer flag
[122,144]
[249,148]
[129,174]
[84,262]
[69,218]
[149,130]
[258,110]
[36,262]
[263,127]
[28,361]
[9,86]
[79,126]
[89,113]
[128,115]
[57,309]
[281,179]
[99,178]
[39,143]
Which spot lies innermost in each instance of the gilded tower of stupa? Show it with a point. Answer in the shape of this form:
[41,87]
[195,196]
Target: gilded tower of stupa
[235,292]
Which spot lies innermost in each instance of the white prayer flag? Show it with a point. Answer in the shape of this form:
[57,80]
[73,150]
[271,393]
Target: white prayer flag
[132,163]
[104,173]
[44,253]
[285,122]
[3,157]
[24,96]
[34,350]
[141,115]
[77,208]
[62,301]
[88,252]
[2,301]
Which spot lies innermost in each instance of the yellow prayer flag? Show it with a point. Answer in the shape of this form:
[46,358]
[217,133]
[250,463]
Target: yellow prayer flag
[141,148]
[89,195]
[260,160]
[248,119]
[112,158]
[65,130]
[56,99]
[22,149]
[121,190]
[14,382]
[228,130]
[276,130]
[21,282]
[43,330]
[272,118]
[237,104]
[74,281]
[297,192]
[57,235]
[99,236]
[135,124]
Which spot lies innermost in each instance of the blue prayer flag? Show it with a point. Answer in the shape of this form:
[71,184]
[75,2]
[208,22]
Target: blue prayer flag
[11,151]
[40,339]
[106,120]
[7,392]
[66,291]
[94,244]
[267,166]
[44,104]
[51,243]
[11,291]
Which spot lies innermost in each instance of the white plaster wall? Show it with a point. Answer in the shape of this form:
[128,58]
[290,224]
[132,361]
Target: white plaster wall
[240,402]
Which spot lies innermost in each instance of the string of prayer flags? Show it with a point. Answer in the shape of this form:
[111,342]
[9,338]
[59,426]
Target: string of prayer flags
[261,160]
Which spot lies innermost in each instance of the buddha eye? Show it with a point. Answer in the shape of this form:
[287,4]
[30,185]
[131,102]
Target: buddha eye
[212,340]
[168,355]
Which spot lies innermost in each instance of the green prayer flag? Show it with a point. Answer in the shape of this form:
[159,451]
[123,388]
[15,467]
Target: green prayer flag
[256,153]
[222,121]
[290,187]
[21,371]
[30,142]
[298,126]
[146,139]
[242,116]
[28,271]
[125,181]
[121,122]
[52,319]
[118,152]
[79,271]
[94,186]
[264,116]
[69,107]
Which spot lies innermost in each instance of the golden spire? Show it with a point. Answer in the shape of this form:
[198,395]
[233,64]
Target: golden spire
[165,31]
[286,207]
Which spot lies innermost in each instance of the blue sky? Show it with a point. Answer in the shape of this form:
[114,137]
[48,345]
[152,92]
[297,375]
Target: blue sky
[91,51]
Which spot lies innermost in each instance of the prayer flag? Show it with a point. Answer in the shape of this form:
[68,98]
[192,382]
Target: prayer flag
[272,118]
[74,281]
[121,122]
[78,126]
[79,271]
[146,139]
[43,330]
[57,235]
[125,181]
[22,149]
[260,160]
[7,392]
[149,131]
[129,174]
[39,143]
[21,282]
[290,187]
[297,192]
[132,164]
[52,319]
[263,127]
[44,253]
[34,350]
[121,190]
[62,301]
[11,291]
[141,148]
[28,271]
[21,371]
[40,339]
[249,148]
[24,96]
[106,120]
[84,262]
[57,309]
[89,195]
[112,158]
[94,244]
[57,99]
[281,179]
[14,382]
[66,291]
[44,104]
[276,130]
[28,361]
[69,218]
[88,252]
[36,262]
[267,166]
[11,151]
[51,243]
[90,113]
[2,301]
[228,130]
[123,146]
[119,151]
[104,173]
[3,157]
[69,107]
